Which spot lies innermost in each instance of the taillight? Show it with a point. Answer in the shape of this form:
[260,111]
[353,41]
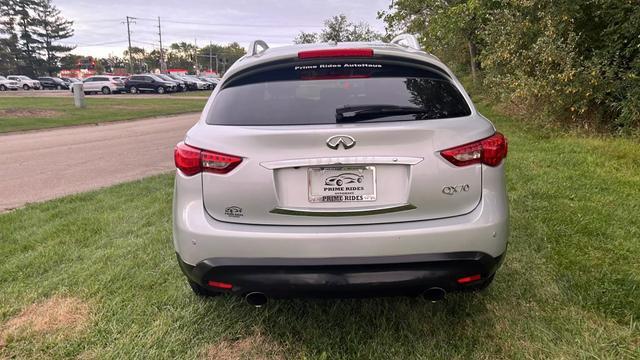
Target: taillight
[192,160]
[329,53]
[220,285]
[469,279]
[489,151]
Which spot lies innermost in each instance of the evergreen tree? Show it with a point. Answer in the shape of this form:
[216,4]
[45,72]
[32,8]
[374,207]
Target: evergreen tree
[28,46]
[52,27]
[8,37]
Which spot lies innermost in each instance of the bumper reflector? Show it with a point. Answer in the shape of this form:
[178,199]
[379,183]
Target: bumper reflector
[469,279]
[220,285]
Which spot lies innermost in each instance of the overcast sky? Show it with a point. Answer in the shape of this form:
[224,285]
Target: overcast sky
[100,31]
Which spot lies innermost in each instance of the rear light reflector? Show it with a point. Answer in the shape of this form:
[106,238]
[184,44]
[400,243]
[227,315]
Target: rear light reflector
[191,160]
[331,53]
[489,151]
[469,279]
[220,285]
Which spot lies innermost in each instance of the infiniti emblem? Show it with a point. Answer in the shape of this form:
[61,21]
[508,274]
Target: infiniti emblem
[335,141]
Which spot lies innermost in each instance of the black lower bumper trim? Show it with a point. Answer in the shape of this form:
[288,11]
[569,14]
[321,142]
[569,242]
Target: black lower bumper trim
[344,276]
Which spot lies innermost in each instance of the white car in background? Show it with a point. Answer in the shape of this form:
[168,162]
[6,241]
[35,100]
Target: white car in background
[102,84]
[197,83]
[6,84]
[25,82]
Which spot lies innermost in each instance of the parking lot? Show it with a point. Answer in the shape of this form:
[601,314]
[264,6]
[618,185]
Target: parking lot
[67,93]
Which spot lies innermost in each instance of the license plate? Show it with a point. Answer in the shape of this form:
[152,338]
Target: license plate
[342,184]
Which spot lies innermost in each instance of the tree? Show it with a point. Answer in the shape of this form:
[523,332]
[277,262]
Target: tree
[451,29]
[139,56]
[29,31]
[340,29]
[306,38]
[52,27]
[226,55]
[8,37]
[28,46]
[70,61]
[577,61]
[182,55]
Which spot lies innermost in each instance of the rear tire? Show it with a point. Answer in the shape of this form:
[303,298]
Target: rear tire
[200,290]
[106,90]
[3,88]
[59,87]
[133,90]
[160,90]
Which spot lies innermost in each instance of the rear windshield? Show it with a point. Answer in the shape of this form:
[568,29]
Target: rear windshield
[314,92]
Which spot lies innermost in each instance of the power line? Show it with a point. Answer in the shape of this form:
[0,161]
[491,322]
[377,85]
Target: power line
[203,23]
[96,44]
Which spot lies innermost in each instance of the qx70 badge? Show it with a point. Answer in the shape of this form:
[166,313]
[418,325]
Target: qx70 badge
[346,141]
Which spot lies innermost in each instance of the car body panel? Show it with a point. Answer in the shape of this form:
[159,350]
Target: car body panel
[263,209]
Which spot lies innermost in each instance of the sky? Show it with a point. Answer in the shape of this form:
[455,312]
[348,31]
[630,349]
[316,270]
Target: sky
[101,30]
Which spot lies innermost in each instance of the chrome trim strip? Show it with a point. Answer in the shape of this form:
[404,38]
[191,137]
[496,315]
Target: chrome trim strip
[282,211]
[369,160]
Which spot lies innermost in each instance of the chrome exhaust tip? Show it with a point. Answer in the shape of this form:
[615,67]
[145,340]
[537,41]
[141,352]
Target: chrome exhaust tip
[256,299]
[434,294]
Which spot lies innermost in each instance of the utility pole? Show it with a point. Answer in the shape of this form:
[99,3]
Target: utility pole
[163,65]
[211,57]
[129,37]
[197,66]
[210,46]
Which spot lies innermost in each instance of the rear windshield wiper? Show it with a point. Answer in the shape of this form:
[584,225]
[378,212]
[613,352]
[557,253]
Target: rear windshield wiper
[367,112]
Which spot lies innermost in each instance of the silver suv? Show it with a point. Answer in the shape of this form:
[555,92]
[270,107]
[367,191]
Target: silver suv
[349,169]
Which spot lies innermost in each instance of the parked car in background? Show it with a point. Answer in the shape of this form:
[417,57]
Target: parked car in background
[213,82]
[25,82]
[149,82]
[346,169]
[53,83]
[6,84]
[104,84]
[191,83]
[70,80]
[200,85]
[180,84]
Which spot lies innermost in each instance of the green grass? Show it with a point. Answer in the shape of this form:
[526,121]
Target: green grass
[569,287]
[30,113]
[203,93]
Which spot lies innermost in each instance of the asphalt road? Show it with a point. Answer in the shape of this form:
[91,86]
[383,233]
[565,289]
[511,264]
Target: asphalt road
[42,165]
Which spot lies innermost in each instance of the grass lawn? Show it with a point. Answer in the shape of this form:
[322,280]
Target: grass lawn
[203,93]
[30,113]
[103,267]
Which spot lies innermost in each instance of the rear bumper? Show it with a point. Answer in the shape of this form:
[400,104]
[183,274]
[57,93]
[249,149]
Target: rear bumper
[338,277]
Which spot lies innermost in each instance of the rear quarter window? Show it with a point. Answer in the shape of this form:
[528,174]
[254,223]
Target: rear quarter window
[311,92]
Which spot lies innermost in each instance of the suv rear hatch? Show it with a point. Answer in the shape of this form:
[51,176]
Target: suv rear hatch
[333,141]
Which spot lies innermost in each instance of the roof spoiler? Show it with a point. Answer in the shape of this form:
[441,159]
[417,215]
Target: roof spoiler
[406,40]
[254,45]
